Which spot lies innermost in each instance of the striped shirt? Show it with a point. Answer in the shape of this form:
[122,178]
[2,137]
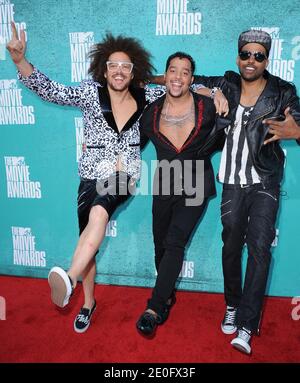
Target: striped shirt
[236,166]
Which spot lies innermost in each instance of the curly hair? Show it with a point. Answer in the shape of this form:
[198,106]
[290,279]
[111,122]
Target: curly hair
[99,54]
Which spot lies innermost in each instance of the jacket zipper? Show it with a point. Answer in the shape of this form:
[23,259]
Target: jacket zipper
[257,118]
[262,115]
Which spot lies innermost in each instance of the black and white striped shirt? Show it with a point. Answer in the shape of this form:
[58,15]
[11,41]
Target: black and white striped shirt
[236,166]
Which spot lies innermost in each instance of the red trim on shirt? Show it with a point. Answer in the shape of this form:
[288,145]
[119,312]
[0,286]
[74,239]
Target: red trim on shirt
[158,134]
[196,132]
[199,125]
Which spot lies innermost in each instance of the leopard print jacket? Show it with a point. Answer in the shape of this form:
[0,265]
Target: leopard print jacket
[105,145]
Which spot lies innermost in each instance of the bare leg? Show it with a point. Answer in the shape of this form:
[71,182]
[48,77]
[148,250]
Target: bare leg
[88,283]
[83,319]
[89,242]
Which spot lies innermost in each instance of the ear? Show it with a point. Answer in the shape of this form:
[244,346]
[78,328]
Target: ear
[105,76]
[267,63]
[237,60]
[192,80]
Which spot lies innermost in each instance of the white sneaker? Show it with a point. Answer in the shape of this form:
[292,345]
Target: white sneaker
[61,286]
[228,325]
[242,341]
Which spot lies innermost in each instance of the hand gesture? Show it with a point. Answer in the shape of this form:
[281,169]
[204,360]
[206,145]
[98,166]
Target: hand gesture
[16,46]
[287,129]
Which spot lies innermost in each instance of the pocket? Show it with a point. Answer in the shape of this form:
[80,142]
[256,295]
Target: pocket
[84,190]
[271,193]
[225,208]
[134,145]
[226,201]
[95,146]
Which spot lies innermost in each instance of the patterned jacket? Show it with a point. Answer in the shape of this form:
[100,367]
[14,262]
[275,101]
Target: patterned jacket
[104,143]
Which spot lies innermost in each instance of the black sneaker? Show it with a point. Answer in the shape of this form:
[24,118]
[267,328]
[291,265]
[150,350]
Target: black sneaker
[228,324]
[83,319]
[147,324]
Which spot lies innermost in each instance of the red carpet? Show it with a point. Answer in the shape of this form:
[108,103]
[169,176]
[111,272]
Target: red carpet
[36,331]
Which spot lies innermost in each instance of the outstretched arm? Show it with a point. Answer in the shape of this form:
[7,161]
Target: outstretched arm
[158,80]
[220,101]
[17,47]
[39,83]
[216,94]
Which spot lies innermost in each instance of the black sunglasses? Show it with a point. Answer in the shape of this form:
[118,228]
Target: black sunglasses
[258,56]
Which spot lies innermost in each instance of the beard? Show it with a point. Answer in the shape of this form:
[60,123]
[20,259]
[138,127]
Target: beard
[253,77]
[177,95]
[118,87]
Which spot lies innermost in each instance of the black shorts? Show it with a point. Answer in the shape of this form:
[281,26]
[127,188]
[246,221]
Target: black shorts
[109,194]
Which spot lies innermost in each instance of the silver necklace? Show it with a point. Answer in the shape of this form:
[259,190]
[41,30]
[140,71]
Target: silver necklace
[177,120]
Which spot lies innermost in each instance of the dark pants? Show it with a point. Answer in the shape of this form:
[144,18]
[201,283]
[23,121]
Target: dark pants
[173,224]
[109,194]
[248,217]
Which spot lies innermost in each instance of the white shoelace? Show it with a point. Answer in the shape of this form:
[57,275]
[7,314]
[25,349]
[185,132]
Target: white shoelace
[82,318]
[230,315]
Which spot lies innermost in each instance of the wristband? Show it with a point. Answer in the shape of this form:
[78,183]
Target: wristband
[213,92]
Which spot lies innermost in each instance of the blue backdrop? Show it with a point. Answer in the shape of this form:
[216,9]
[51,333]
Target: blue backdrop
[41,142]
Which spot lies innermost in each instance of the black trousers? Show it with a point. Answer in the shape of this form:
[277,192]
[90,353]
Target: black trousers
[173,224]
[248,217]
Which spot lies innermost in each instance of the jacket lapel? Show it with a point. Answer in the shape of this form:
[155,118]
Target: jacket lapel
[137,94]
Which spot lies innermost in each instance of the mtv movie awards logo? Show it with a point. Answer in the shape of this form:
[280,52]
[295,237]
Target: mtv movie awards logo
[111,229]
[279,66]
[6,16]
[25,253]
[187,270]
[174,18]
[79,137]
[80,44]
[19,184]
[12,110]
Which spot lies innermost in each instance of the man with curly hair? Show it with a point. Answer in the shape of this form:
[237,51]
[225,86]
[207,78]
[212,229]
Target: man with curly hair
[111,103]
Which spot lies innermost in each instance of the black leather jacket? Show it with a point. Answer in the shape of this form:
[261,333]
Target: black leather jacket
[278,94]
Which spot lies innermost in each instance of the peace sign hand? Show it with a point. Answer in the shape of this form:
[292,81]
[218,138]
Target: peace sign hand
[16,46]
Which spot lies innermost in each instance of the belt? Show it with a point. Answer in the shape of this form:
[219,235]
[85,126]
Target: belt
[241,186]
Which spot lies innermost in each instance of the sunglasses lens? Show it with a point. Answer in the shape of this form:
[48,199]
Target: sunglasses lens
[260,57]
[244,55]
